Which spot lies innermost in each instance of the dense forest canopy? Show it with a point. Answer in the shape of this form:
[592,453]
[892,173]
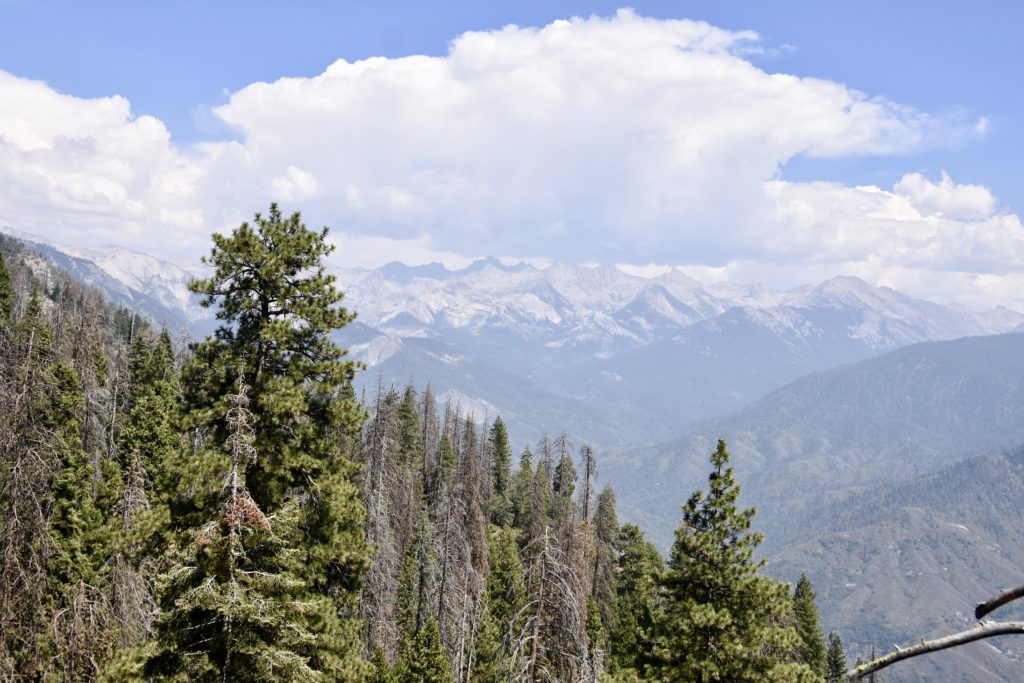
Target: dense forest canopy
[227,509]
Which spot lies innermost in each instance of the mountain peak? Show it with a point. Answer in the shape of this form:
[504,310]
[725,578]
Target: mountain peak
[396,270]
[494,262]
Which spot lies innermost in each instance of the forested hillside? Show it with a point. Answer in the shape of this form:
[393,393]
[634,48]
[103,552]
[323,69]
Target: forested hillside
[907,559]
[827,435]
[887,482]
[229,509]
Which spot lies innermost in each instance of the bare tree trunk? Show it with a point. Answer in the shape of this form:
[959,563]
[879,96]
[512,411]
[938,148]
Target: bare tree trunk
[925,646]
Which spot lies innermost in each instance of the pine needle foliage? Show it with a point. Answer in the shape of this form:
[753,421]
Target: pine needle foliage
[722,620]
[233,611]
[277,308]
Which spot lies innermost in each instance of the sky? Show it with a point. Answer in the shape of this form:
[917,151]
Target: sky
[781,142]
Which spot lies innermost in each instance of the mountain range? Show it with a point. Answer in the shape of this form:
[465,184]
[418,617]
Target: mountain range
[895,483]
[878,434]
[611,357]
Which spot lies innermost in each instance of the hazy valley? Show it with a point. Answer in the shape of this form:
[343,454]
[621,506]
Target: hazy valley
[883,457]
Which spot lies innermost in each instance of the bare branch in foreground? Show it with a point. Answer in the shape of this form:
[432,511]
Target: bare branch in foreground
[992,604]
[996,628]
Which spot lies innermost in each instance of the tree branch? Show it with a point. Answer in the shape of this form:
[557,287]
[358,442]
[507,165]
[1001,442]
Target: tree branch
[988,630]
[992,604]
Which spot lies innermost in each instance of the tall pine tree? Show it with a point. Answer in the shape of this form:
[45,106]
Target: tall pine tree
[636,603]
[277,309]
[835,666]
[6,293]
[501,474]
[812,642]
[233,610]
[722,621]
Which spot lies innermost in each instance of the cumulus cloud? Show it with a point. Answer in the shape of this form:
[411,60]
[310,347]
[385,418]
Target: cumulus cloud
[69,165]
[620,139]
[967,202]
[595,139]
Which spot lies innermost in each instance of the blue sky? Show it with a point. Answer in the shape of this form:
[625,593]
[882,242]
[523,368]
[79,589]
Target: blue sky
[942,78]
[173,59]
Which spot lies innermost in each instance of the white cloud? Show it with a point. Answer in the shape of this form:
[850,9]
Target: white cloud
[967,202]
[69,165]
[592,139]
[295,185]
[620,139]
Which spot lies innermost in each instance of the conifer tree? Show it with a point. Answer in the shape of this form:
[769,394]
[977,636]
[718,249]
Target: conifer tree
[835,668]
[152,435]
[501,612]
[278,307]
[6,294]
[81,633]
[812,645]
[233,609]
[605,555]
[501,474]
[75,520]
[382,670]
[410,487]
[722,620]
[423,659]
[637,574]
[522,491]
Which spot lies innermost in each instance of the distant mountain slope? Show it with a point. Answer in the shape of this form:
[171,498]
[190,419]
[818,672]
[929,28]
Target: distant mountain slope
[633,357]
[910,559]
[888,418]
[147,284]
[658,352]
[868,477]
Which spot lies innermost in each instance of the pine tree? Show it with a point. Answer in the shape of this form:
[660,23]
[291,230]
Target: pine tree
[382,670]
[605,555]
[812,644]
[501,611]
[151,440]
[522,491]
[233,609]
[410,487]
[6,294]
[722,620]
[278,307]
[501,474]
[639,568]
[423,659]
[835,668]
[81,633]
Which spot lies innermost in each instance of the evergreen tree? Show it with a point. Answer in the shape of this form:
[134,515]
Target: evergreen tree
[233,610]
[410,487]
[835,668]
[605,555]
[423,659]
[382,671]
[563,486]
[77,540]
[501,474]
[522,491]
[501,608]
[278,307]
[639,568]
[152,436]
[812,644]
[6,293]
[722,620]
[75,520]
